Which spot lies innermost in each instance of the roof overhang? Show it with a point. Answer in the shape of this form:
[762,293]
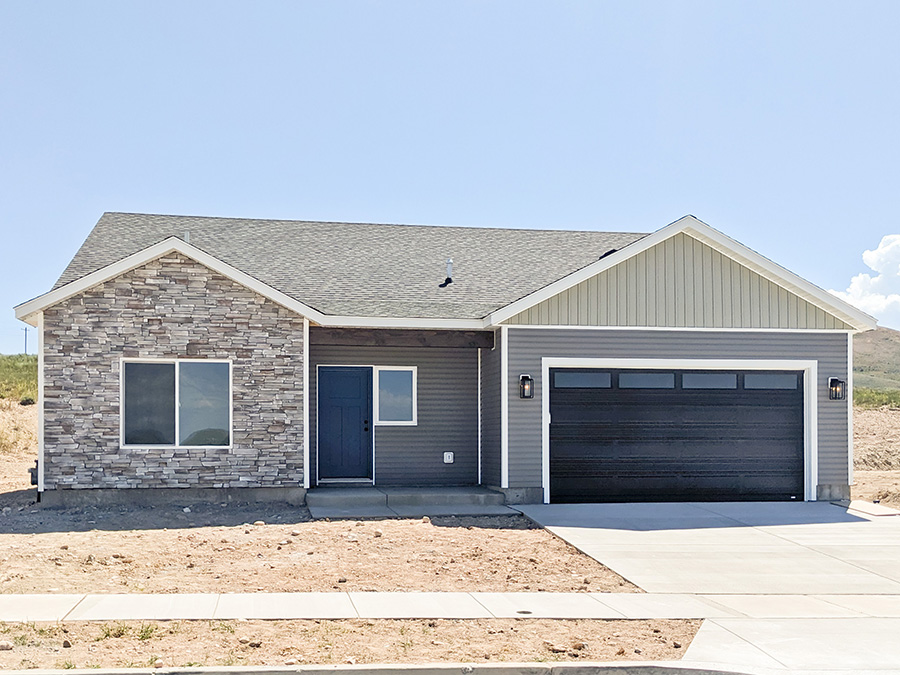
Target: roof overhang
[723,244]
[30,311]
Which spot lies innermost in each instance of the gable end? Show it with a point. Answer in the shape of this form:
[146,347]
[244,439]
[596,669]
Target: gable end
[680,282]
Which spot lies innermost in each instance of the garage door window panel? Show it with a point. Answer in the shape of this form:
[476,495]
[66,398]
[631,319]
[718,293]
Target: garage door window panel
[582,380]
[709,381]
[770,381]
[652,380]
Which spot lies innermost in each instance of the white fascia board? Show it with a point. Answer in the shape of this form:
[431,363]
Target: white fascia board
[723,244]
[778,274]
[28,311]
[682,329]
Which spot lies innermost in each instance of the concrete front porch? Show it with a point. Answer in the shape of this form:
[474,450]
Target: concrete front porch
[377,502]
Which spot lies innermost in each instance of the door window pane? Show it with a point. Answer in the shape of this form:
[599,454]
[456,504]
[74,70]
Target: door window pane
[770,381]
[204,403]
[395,396]
[646,380]
[709,381]
[149,409]
[580,380]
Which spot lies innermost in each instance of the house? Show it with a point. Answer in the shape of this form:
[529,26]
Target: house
[266,358]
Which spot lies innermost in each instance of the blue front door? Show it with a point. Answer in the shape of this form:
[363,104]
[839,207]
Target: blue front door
[345,417]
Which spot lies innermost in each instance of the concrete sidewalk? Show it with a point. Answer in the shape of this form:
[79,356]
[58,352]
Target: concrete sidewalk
[358,605]
[770,633]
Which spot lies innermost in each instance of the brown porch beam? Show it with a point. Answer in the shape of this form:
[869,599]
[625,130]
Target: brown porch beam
[387,337]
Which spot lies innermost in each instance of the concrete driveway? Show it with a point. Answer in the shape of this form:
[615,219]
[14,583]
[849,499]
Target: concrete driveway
[735,548]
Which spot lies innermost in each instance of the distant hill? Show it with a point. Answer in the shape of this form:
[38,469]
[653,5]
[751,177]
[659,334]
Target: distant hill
[876,359]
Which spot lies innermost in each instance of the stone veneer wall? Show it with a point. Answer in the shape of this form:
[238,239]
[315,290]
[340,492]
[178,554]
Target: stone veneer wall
[172,307]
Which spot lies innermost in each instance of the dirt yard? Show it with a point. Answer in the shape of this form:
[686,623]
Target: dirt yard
[876,455]
[116,554]
[273,643]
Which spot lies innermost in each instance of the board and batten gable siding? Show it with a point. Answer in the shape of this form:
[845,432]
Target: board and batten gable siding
[447,414]
[680,282]
[527,346]
[490,413]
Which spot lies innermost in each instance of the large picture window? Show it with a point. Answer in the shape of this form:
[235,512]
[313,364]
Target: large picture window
[395,395]
[176,403]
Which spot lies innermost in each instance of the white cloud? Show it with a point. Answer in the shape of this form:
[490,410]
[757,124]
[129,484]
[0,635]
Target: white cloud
[879,294]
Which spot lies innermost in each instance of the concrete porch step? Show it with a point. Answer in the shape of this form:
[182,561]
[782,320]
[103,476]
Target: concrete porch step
[451,496]
[335,496]
[371,502]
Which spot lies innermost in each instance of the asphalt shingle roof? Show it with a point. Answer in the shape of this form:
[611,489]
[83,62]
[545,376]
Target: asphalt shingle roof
[363,269]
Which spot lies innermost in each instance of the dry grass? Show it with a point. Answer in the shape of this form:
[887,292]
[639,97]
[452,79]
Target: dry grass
[18,378]
[18,428]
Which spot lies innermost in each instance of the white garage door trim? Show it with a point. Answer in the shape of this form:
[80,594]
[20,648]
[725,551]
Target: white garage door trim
[810,400]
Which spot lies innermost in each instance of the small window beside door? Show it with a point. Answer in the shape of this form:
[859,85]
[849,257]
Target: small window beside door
[395,395]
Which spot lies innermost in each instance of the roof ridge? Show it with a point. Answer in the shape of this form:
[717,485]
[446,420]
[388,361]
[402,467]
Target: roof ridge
[349,222]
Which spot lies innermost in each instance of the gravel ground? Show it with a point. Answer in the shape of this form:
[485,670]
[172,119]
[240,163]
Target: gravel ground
[273,643]
[266,548]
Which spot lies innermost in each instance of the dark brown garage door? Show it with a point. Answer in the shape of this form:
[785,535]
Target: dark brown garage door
[634,435]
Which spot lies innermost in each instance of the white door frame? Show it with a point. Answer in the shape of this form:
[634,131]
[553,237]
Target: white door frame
[810,400]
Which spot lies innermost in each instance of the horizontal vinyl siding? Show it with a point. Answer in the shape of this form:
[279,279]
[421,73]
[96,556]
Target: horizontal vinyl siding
[680,282]
[490,414]
[528,346]
[447,414]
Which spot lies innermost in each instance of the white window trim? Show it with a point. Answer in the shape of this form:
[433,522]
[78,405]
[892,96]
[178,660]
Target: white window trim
[175,446]
[376,375]
[810,400]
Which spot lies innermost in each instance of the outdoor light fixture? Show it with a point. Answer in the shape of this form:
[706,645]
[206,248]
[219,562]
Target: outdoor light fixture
[526,386]
[837,389]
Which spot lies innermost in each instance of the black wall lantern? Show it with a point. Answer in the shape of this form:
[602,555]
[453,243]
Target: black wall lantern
[837,389]
[526,386]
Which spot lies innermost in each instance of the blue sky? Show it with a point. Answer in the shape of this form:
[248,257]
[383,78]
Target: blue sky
[774,122]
